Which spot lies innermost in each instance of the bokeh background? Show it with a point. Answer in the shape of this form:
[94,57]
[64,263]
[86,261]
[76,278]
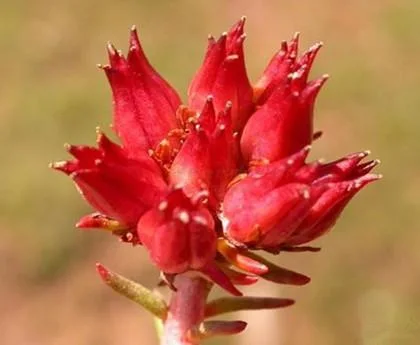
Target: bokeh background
[366,280]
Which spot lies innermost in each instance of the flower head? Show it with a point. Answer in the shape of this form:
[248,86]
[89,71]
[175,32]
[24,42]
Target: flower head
[203,184]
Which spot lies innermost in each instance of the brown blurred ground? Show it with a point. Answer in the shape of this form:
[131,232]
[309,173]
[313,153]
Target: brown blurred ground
[366,280]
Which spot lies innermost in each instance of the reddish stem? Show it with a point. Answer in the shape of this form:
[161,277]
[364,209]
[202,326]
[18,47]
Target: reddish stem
[186,309]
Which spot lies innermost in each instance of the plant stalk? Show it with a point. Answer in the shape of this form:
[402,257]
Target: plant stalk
[186,309]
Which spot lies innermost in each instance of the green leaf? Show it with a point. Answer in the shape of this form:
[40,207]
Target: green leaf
[134,291]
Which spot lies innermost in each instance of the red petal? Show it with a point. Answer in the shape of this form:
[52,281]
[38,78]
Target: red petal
[191,169]
[139,63]
[87,155]
[67,167]
[251,215]
[287,101]
[286,124]
[223,75]
[206,75]
[121,191]
[327,209]
[341,169]
[144,103]
[108,198]
[276,73]
[224,154]
[207,117]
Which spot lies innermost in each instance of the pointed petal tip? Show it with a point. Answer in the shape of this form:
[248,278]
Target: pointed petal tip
[365,168]
[238,27]
[307,148]
[364,180]
[319,83]
[62,166]
[371,177]
[111,49]
[318,45]
[134,42]
[81,225]
[103,272]
[105,68]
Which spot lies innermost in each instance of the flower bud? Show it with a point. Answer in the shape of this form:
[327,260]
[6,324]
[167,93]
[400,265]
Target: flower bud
[179,234]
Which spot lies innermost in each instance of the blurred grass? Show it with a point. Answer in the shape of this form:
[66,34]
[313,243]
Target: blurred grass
[365,281]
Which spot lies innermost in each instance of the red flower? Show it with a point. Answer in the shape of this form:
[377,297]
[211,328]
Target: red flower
[288,202]
[179,233]
[201,185]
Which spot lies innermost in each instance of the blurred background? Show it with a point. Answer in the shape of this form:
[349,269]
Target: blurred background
[365,287]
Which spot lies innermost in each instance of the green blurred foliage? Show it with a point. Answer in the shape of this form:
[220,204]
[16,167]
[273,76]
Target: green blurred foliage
[365,281]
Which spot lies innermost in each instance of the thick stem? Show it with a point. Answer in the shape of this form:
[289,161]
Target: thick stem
[186,309]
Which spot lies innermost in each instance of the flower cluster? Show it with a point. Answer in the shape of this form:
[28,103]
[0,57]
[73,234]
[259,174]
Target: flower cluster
[202,185]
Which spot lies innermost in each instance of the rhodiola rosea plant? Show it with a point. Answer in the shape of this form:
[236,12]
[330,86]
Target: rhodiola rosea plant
[208,184]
